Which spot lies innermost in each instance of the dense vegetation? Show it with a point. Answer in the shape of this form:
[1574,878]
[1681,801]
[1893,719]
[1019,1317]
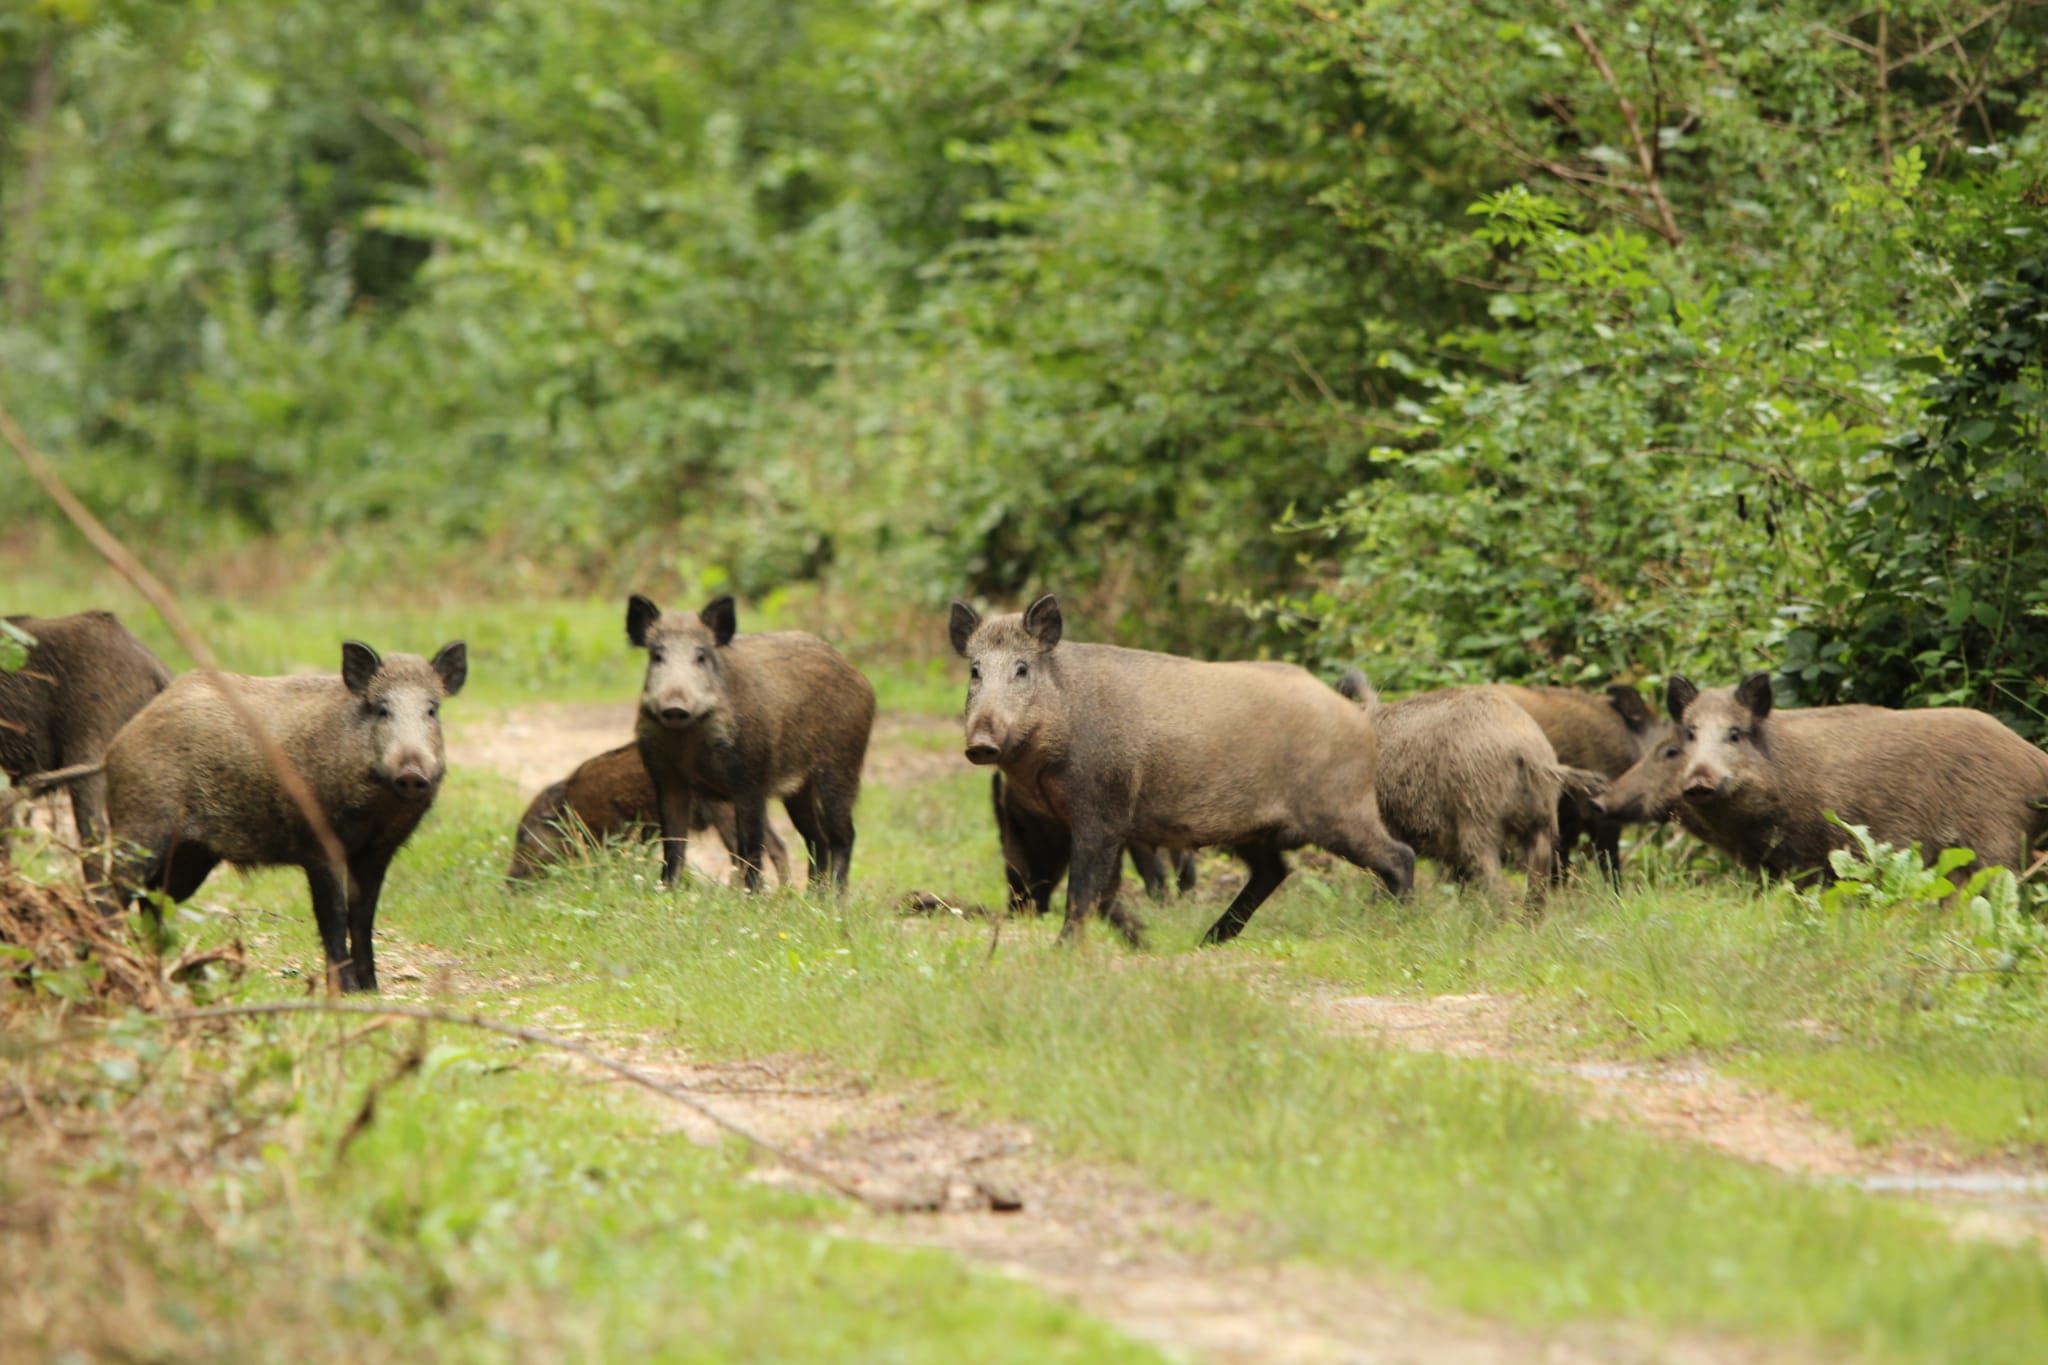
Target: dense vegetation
[1509,339]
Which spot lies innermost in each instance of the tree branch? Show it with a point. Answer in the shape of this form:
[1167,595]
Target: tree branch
[1644,156]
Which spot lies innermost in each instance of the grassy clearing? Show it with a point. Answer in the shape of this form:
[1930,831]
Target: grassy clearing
[1503,1197]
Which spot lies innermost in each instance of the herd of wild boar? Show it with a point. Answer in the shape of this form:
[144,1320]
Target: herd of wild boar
[1098,752]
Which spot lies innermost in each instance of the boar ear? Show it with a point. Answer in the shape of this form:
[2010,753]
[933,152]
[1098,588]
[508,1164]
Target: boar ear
[1678,694]
[452,663]
[960,626]
[359,664]
[640,614]
[1629,704]
[1042,621]
[1754,692]
[721,616]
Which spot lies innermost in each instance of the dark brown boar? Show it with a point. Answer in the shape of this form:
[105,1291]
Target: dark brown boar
[1757,783]
[83,679]
[188,788]
[1126,746]
[1604,734]
[743,718]
[1037,850]
[610,798]
[1466,776]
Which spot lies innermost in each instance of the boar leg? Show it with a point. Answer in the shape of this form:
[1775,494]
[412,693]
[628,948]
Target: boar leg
[676,805]
[1537,862]
[330,913]
[1151,869]
[366,884]
[88,805]
[1568,827]
[835,804]
[1267,868]
[1098,859]
[810,827]
[1605,836]
[750,822]
[1379,853]
[1184,866]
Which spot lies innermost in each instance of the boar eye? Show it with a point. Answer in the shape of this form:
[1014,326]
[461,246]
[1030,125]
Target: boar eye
[383,710]
[1673,751]
[433,709]
[654,654]
[1734,735]
[703,656]
[974,672]
[1023,669]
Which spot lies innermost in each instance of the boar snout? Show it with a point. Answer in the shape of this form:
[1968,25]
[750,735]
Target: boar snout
[412,781]
[675,717]
[982,748]
[1703,784]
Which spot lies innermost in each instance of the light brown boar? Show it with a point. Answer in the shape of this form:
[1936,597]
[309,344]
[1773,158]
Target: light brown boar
[188,788]
[1605,734]
[86,675]
[1467,777]
[607,799]
[1037,850]
[744,718]
[1126,746]
[1757,783]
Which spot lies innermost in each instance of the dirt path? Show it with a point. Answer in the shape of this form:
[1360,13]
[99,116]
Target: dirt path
[1109,1243]
[1998,1200]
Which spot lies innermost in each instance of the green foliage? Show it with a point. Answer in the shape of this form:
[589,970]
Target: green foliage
[1986,937]
[1945,598]
[1507,342]
[15,643]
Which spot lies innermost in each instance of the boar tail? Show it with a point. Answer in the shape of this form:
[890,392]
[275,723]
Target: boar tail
[35,784]
[1353,685]
[1581,783]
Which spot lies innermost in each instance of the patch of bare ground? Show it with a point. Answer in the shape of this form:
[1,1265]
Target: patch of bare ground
[1994,1199]
[1178,1273]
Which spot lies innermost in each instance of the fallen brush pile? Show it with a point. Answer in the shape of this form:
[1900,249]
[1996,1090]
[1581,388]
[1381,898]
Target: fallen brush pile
[55,942]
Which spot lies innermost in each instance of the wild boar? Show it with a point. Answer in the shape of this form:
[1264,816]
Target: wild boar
[1465,774]
[1038,848]
[188,787]
[1127,746]
[610,798]
[743,718]
[1602,734]
[1757,783]
[86,675]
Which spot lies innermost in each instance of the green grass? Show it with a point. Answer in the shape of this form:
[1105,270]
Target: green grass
[494,1208]
[1501,1196]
